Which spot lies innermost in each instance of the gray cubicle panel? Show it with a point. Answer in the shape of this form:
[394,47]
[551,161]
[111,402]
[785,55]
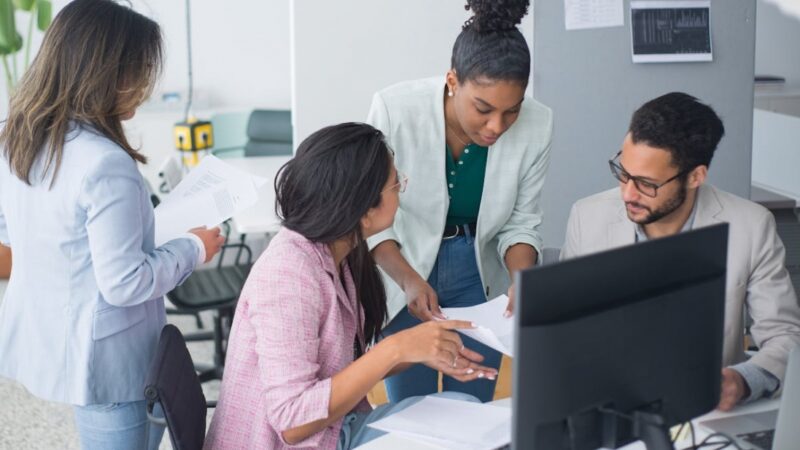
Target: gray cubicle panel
[589,80]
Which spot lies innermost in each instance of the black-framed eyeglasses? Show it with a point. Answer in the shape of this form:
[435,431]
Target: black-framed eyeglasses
[647,188]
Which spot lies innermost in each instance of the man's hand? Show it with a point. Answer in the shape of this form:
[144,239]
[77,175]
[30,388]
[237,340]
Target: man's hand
[734,389]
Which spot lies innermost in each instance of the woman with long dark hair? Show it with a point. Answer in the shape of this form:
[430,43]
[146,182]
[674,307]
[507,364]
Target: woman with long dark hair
[477,150]
[296,372]
[84,306]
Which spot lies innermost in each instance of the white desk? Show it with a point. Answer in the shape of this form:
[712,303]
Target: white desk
[395,442]
[261,217]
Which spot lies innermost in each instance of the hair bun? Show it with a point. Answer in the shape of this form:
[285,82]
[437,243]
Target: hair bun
[495,15]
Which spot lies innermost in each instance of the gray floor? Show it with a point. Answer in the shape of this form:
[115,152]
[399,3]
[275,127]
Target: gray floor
[27,422]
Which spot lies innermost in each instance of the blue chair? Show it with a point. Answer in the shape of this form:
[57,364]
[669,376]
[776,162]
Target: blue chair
[269,133]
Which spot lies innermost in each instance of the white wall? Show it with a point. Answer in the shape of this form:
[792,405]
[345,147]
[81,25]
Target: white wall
[343,51]
[776,152]
[777,43]
[240,50]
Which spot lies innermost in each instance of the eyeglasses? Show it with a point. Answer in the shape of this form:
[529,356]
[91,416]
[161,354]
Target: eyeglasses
[647,188]
[400,186]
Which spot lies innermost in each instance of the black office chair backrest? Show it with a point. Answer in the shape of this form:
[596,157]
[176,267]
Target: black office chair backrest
[172,382]
[788,227]
[269,133]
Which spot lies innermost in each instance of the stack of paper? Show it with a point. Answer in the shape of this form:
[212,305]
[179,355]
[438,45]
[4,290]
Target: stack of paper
[451,424]
[493,329]
[209,195]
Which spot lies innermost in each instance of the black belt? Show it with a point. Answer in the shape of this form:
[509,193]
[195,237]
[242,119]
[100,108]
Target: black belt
[451,231]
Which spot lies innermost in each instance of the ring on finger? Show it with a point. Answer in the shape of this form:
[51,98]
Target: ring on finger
[454,360]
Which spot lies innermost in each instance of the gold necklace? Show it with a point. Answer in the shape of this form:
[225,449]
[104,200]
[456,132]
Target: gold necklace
[453,133]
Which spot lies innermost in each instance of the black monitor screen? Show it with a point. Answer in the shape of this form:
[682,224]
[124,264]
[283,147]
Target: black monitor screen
[606,337]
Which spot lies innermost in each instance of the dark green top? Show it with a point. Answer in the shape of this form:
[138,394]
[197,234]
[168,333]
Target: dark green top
[465,183]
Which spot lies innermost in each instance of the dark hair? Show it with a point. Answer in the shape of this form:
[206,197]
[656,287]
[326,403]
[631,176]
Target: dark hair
[490,45]
[681,124]
[336,176]
[98,61]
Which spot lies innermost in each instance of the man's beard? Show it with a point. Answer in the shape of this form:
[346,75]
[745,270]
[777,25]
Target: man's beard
[666,209]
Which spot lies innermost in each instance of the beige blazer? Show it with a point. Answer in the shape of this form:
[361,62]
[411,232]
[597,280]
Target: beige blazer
[411,115]
[756,277]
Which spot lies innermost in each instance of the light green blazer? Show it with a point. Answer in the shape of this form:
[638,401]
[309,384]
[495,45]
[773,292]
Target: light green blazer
[411,115]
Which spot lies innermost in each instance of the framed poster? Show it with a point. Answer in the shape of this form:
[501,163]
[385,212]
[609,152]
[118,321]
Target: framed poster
[671,31]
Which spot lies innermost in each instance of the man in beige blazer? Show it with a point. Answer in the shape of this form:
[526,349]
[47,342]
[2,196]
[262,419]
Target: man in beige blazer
[662,170]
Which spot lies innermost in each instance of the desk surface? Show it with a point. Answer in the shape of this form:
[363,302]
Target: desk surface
[771,200]
[261,217]
[395,442]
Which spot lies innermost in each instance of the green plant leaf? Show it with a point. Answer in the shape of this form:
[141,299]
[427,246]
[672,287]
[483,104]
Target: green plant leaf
[8,26]
[44,14]
[25,5]
[8,50]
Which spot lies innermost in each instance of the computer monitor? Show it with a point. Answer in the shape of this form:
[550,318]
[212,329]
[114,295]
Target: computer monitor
[617,346]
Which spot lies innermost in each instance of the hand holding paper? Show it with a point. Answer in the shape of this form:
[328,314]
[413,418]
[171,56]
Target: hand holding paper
[209,195]
[493,328]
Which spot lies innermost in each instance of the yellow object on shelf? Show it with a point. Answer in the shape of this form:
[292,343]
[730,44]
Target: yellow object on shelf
[191,137]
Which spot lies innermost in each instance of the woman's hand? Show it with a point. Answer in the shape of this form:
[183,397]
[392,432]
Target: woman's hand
[423,303]
[438,346]
[510,308]
[212,240]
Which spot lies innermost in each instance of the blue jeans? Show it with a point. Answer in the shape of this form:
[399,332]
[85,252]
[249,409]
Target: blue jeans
[355,431]
[457,282]
[117,426]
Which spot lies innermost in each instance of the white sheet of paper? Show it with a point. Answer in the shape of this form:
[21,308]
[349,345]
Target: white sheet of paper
[585,14]
[493,329]
[451,424]
[208,195]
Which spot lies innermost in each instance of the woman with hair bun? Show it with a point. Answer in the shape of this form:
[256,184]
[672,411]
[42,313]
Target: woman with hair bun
[477,151]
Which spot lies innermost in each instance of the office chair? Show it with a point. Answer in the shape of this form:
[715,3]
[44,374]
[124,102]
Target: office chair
[173,384]
[269,133]
[214,289]
[788,227]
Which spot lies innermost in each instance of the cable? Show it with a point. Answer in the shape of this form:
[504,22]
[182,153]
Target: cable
[189,54]
[727,441]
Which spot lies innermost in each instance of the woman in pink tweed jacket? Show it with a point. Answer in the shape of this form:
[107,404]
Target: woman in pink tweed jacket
[296,375]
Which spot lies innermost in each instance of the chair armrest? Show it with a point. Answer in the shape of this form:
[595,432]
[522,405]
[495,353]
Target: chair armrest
[243,248]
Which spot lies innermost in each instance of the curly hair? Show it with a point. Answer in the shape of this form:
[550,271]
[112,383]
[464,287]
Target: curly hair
[679,123]
[490,46]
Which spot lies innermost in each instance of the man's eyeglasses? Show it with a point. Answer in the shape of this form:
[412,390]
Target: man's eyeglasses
[647,188]
[400,186]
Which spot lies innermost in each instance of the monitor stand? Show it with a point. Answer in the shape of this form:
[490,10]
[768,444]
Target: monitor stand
[650,428]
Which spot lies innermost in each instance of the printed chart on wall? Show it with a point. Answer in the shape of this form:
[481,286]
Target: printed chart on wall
[671,31]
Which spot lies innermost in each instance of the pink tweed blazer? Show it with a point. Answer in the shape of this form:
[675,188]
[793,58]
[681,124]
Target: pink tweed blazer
[293,330]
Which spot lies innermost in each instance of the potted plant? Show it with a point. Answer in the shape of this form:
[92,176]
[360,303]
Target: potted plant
[11,41]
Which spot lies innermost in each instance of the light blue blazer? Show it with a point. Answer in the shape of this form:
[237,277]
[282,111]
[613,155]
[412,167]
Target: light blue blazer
[83,309]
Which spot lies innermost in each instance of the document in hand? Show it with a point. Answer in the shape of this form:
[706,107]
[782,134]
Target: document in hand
[451,424]
[209,195]
[493,329]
